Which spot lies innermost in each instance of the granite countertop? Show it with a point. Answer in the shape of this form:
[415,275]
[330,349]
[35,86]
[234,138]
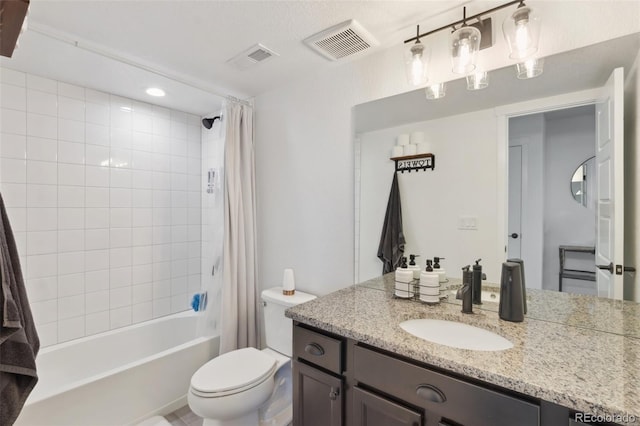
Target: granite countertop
[585,369]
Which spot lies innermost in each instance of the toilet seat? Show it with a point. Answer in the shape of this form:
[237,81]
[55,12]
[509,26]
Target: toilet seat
[232,373]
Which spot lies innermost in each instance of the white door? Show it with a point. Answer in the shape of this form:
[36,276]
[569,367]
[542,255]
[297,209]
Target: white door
[514,228]
[610,176]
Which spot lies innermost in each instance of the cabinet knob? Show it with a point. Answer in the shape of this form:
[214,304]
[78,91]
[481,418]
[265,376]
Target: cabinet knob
[333,394]
[314,349]
[430,393]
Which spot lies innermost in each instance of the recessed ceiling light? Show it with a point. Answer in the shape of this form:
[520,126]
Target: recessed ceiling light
[155,91]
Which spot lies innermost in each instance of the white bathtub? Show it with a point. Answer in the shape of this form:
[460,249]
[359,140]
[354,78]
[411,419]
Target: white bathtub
[119,377]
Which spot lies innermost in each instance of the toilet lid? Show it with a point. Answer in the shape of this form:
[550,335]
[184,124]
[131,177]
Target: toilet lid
[236,370]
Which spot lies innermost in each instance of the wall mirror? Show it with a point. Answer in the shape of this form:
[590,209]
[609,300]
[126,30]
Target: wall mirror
[465,188]
[581,184]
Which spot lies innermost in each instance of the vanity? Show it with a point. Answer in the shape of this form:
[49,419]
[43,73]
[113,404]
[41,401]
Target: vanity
[353,364]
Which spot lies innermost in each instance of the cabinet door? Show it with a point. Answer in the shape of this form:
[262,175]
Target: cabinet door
[317,397]
[372,410]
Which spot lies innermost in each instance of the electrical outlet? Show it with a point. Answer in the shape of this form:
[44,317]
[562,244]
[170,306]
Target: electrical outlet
[468,223]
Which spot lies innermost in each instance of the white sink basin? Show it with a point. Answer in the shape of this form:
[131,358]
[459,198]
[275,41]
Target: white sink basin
[485,296]
[456,335]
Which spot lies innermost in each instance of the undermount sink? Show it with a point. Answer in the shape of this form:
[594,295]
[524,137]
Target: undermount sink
[485,296]
[456,335]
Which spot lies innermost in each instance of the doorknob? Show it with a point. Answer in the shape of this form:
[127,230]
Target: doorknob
[514,235]
[608,267]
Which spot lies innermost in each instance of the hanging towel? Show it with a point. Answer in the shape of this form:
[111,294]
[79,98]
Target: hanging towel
[391,245]
[19,342]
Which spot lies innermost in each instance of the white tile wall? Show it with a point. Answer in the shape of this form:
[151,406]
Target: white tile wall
[103,194]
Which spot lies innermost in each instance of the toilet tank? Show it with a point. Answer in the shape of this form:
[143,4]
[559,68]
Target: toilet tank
[278,328]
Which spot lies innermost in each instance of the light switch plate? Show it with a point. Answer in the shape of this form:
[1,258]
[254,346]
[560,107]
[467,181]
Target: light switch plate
[468,223]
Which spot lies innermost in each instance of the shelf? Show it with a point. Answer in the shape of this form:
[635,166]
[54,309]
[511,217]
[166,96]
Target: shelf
[415,162]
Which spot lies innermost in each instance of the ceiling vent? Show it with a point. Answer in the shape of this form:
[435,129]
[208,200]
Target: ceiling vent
[251,57]
[342,40]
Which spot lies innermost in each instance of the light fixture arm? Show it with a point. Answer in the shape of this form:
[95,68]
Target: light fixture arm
[464,19]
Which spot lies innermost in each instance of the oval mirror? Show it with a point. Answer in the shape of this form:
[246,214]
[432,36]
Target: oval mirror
[583,183]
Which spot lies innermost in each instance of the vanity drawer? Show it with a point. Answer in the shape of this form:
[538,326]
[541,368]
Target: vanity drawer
[319,349]
[454,399]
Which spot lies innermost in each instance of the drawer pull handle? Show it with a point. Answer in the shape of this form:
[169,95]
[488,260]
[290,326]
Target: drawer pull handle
[314,349]
[430,393]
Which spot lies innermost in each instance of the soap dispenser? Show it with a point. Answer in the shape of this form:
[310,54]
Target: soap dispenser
[429,285]
[442,274]
[476,283]
[412,266]
[403,281]
[511,307]
[524,284]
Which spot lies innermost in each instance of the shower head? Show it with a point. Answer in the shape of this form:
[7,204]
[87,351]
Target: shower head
[208,122]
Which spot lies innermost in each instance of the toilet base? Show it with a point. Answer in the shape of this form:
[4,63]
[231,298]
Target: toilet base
[250,419]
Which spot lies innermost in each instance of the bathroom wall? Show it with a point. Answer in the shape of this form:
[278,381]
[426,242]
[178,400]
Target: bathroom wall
[103,194]
[463,184]
[304,144]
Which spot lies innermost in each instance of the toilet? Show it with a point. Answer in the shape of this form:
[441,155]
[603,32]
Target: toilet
[251,387]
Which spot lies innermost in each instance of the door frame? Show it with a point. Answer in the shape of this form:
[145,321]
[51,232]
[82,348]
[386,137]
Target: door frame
[503,114]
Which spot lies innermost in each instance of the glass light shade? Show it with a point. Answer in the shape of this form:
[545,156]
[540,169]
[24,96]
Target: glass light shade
[478,80]
[530,68]
[435,91]
[417,63]
[465,43]
[522,32]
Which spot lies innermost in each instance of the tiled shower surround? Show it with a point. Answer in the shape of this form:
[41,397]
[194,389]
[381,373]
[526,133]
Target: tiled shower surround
[103,194]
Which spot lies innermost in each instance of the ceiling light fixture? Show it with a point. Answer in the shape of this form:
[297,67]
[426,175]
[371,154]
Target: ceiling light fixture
[521,30]
[417,62]
[435,91]
[530,68]
[155,91]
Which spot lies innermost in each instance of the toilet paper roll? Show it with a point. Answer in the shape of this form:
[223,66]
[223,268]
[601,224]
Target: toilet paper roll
[429,299]
[397,151]
[403,139]
[410,149]
[288,283]
[416,137]
[424,148]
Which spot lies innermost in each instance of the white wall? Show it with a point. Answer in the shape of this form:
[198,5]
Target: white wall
[103,196]
[568,142]
[528,132]
[462,184]
[632,180]
[304,144]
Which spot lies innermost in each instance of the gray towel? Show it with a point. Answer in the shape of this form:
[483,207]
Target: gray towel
[392,241]
[19,342]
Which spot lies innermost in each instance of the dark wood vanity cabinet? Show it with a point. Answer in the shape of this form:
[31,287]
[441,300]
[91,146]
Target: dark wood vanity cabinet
[337,381]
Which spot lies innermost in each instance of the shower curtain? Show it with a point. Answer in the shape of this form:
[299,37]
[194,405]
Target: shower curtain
[239,322]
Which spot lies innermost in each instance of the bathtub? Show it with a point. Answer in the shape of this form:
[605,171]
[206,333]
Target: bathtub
[119,377]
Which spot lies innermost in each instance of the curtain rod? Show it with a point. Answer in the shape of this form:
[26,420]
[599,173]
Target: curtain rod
[93,48]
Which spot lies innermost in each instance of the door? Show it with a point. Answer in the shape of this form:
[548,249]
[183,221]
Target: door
[610,177]
[514,228]
[372,410]
[317,397]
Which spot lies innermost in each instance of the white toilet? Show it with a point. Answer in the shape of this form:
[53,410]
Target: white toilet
[232,389]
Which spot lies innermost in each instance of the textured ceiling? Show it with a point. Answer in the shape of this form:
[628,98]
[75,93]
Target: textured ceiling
[192,40]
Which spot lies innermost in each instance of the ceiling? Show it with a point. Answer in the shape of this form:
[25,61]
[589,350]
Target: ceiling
[579,69]
[184,45]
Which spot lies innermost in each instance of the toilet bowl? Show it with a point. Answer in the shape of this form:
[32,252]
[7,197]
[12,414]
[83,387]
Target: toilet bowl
[232,389]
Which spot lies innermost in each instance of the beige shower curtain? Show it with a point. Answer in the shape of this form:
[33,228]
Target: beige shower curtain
[239,322]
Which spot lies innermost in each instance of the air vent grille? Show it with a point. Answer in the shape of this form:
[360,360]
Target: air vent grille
[342,40]
[252,56]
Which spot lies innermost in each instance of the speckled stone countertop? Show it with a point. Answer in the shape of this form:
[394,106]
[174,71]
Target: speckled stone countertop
[585,369]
